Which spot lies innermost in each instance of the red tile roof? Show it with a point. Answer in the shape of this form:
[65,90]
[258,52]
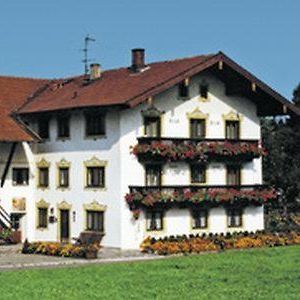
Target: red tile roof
[13,93]
[120,87]
[115,87]
[124,87]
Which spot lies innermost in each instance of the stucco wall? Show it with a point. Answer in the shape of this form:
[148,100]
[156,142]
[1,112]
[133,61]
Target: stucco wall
[175,123]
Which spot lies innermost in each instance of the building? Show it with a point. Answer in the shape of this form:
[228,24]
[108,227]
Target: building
[160,149]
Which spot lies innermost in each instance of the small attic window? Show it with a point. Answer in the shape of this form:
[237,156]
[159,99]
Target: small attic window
[203,90]
[183,90]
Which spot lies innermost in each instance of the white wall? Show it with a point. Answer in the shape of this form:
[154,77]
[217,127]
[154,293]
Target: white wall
[123,169]
[175,123]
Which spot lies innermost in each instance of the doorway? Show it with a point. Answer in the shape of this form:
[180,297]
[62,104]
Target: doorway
[64,225]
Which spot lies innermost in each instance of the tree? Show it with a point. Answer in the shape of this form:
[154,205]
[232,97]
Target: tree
[282,165]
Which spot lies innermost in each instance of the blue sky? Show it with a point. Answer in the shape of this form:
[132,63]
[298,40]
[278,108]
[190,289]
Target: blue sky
[43,38]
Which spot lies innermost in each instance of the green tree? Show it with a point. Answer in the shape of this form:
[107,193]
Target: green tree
[282,165]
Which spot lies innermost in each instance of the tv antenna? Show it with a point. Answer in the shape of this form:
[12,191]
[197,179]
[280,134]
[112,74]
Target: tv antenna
[86,60]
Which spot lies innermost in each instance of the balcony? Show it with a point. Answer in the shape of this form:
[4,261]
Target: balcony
[151,149]
[208,195]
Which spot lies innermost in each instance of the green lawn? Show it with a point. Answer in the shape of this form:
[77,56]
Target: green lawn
[252,274]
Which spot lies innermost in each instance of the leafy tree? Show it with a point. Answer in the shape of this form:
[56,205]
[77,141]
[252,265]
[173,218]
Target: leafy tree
[282,165]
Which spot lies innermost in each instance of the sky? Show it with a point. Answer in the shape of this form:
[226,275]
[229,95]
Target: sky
[44,38]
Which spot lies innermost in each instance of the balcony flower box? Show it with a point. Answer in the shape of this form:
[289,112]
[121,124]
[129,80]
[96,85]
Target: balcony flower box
[191,150]
[182,196]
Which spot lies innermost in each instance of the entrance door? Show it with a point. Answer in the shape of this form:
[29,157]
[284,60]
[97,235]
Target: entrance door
[64,225]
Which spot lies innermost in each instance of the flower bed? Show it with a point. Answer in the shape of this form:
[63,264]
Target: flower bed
[58,249]
[215,242]
[199,151]
[209,196]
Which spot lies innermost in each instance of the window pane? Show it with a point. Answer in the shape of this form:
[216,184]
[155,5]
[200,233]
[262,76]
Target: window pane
[42,217]
[154,220]
[183,90]
[198,174]
[43,128]
[20,176]
[43,177]
[63,127]
[153,175]
[204,91]
[197,128]
[232,129]
[152,126]
[233,175]
[95,221]
[95,176]
[200,219]
[95,124]
[234,218]
[63,177]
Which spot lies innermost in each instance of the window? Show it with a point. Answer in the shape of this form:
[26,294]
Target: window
[199,218]
[95,176]
[152,126]
[63,127]
[233,175]
[197,128]
[43,128]
[42,217]
[203,90]
[198,173]
[183,90]
[232,130]
[63,177]
[20,176]
[234,217]
[153,175]
[95,220]
[154,220]
[95,124]
[43,177]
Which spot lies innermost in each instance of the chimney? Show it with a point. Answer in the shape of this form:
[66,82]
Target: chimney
[95,71]
[138,59]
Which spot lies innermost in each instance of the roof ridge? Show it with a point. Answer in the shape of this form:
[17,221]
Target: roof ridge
[22,78]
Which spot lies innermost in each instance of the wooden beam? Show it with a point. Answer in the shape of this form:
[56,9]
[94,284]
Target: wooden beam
[8,163]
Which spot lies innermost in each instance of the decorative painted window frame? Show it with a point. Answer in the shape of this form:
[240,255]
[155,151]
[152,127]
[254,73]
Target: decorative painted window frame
[233,116]
[41,204]
[93,206]
[42,163]
[152,111]
[95,162]
[63,163]
[199,115]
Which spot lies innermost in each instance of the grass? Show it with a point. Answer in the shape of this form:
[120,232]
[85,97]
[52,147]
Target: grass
[272,273]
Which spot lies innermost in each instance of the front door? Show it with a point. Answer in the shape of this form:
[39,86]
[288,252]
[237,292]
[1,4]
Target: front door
[64,225]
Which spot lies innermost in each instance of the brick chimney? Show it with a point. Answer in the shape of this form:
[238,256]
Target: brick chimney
[95,71]
[138,59]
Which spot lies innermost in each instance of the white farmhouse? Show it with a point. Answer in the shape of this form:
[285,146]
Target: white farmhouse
[154,149]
